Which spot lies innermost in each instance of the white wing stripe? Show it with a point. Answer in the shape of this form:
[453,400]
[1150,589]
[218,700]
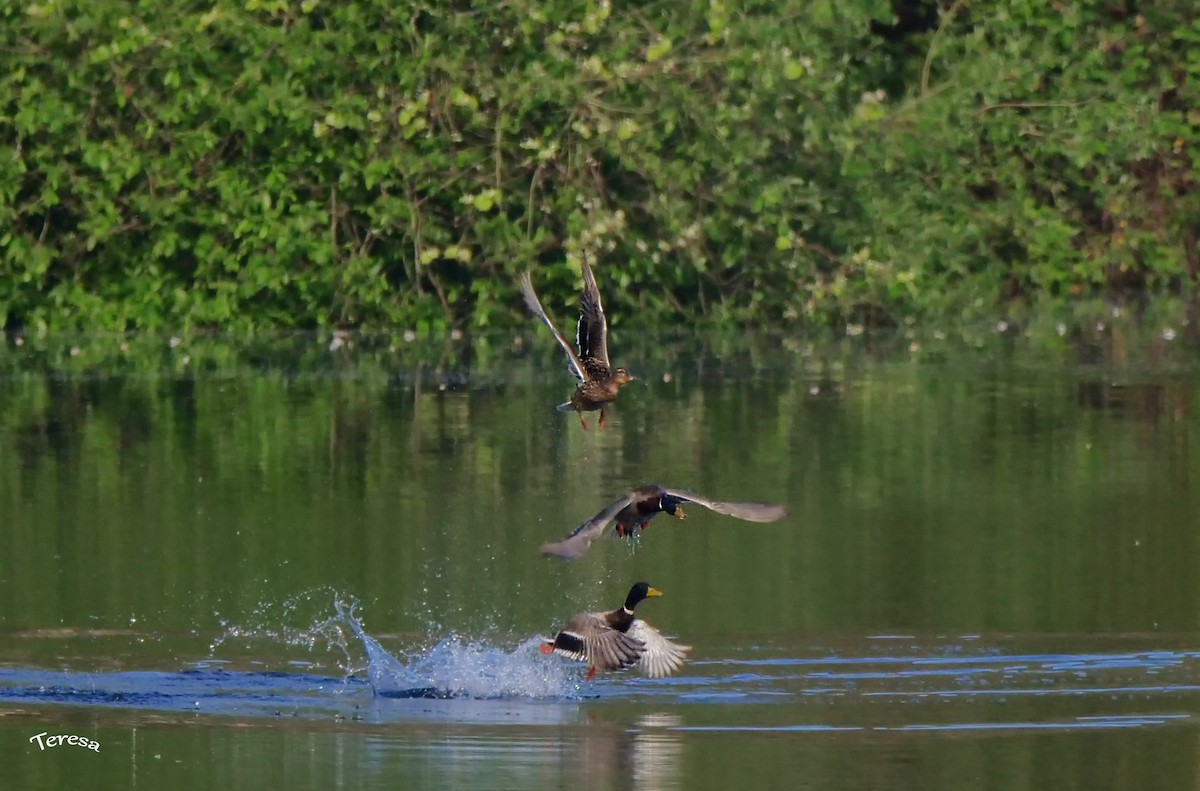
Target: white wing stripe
[662,657]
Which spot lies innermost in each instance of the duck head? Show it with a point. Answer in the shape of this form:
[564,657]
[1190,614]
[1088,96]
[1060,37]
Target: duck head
[621,377]
[672,505]
[639,593]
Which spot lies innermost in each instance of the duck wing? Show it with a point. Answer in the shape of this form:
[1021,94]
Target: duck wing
[661,656]
[581,539]
[588,638]
[751,512]
[592,332]
[535,305]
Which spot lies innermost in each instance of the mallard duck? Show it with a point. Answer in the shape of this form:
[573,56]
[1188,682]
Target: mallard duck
[599,382]
[616,640]
[635,510]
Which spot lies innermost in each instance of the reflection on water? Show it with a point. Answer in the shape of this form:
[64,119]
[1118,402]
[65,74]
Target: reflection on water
[865,685]
[657,750]
[634,732]
[596,755]
[172,533]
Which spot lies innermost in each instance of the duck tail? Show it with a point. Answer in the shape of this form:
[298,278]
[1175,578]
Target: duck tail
[567,407]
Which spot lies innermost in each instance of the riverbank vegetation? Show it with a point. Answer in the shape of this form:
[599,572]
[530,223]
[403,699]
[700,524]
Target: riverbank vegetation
[271,163]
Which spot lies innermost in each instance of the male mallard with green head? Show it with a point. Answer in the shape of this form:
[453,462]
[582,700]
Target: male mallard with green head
[615,640]
[635,509]
[599,382]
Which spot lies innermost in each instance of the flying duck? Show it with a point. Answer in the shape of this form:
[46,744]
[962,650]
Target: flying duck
[599,382]
[635,509]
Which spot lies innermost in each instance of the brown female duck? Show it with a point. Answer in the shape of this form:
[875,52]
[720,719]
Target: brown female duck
[635,509]
[615,640]
[599,382]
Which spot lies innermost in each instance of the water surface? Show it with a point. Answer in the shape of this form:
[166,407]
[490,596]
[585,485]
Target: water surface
[987,574]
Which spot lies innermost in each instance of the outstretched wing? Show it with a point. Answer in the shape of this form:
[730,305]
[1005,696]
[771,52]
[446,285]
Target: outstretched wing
[578,542]
[587,638]
[661,656]
[751,512]
[531,300]
[592,333]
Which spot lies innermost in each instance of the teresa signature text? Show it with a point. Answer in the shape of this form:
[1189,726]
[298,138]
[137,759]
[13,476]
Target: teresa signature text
[44,741]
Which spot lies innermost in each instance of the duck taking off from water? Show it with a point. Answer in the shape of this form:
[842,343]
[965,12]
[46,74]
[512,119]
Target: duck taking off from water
[599,382]
[635,509]
[616,640]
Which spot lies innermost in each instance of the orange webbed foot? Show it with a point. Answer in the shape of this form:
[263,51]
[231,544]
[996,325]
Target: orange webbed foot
[591,673]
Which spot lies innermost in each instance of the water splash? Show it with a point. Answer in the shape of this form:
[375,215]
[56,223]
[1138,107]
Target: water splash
[455,668]
[273,623]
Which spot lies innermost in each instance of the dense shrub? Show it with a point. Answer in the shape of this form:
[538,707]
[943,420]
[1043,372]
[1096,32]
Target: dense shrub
[1042,149]
[312,163]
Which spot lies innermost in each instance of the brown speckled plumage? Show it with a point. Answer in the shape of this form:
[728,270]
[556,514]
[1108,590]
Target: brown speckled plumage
[599,382]
[634,510]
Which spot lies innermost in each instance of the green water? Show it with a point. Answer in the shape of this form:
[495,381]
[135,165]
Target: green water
[1009,499]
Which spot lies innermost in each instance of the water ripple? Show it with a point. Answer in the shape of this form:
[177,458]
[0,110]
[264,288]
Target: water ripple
[944,686]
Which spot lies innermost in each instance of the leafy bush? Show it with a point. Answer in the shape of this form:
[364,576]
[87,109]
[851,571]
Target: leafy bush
[1044,149]
[280,163]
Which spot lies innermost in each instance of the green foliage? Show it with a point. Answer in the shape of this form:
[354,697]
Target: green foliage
[1044,149]
[269,162]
